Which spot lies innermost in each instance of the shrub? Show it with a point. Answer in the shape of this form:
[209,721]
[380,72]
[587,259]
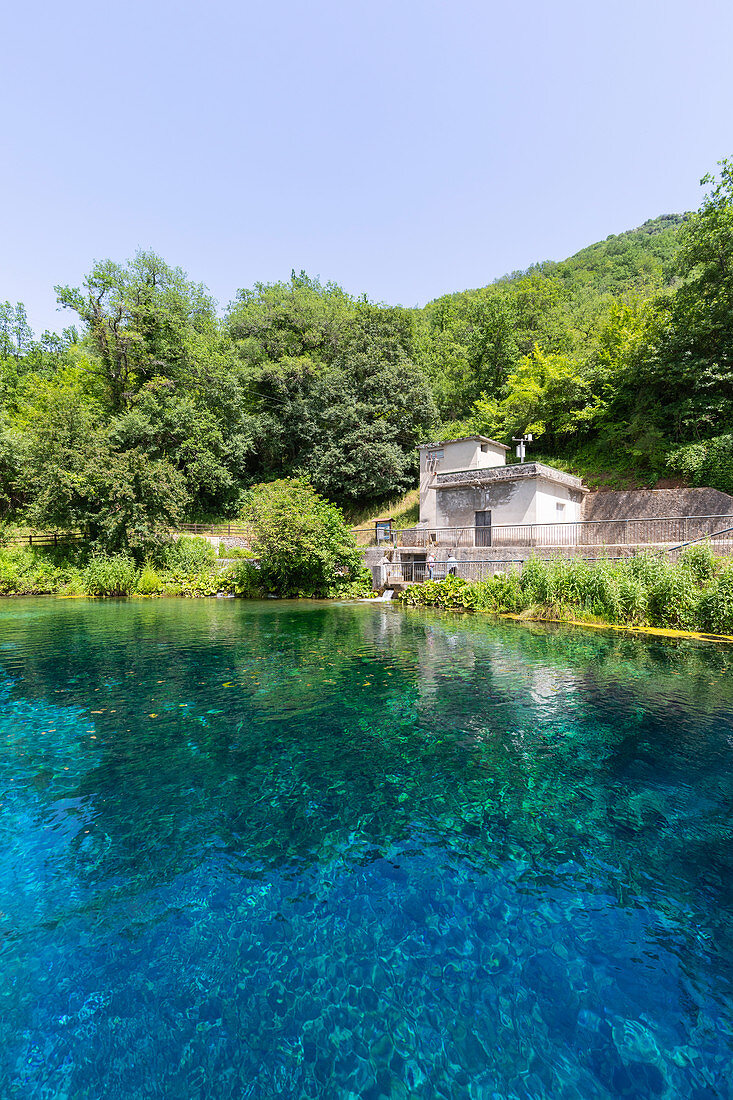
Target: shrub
[700,560]
[109,576]
[537,582]
[302,541]
[149,582]
[10,582]
[451,592]
[600,594]
[30,571]
[73,584]
[647,567]
[709,463]
[716,604]
[502,593]
[674,599]
[647,589]
[234,551]
[245,579]
[632,598]
[187,554]
[206,583]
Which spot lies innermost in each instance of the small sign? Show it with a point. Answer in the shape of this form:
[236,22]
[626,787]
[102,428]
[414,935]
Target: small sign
[383,530]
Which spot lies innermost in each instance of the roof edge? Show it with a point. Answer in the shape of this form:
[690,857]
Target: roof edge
[463,439]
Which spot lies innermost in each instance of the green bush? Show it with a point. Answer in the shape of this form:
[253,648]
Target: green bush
[452,591]
[234,551]
[633,598]
[73,584]
[301,540]
[356,589]
[110,576]
[149,583]
[538,582]
[644,590]
[716,604]
[502,593]
[30,571]
[600,593]
[10,574]
[647,566]
[674,599]
[709,463]
[187,554]
[205,583]
[700,560]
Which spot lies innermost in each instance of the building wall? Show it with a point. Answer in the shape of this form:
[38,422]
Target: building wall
[508,501]
[550,495]
[462,454]
[527,500]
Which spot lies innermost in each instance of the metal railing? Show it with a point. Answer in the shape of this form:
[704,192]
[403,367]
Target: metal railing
[600,532]
[720,542]
[415,572]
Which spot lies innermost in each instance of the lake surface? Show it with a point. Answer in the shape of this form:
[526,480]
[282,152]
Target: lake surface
[306,850]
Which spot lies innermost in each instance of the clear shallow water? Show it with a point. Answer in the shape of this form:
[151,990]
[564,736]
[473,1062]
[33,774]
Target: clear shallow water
[302,850]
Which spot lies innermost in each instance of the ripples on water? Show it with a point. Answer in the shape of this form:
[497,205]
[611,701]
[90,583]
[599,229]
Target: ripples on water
[296,850]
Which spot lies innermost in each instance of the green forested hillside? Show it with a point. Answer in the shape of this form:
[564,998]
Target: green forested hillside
[155,405]
[641,260]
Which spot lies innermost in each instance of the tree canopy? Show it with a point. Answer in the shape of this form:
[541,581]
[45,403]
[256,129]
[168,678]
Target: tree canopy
[301,539]
[155,406]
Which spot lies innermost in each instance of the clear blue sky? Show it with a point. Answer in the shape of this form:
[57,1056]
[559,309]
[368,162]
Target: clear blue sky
[403,148]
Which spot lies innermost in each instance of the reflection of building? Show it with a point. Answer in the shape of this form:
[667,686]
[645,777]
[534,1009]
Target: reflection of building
[465,483]
[471,682]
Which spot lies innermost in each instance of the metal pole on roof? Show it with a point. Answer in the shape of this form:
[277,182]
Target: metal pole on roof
[521,441]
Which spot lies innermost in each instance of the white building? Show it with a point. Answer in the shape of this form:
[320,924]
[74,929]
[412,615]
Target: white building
[465,483]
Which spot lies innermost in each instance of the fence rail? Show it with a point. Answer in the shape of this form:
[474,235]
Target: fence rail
[221,529]
[415,572]
[43,538]
[621,532]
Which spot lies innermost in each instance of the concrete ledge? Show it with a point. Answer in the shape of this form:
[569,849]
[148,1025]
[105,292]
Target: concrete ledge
[519,472]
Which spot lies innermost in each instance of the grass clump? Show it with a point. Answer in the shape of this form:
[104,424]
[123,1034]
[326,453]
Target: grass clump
[25,571]
[113,575]
[149,583]
[715,609]
[234,551]
[694,593]
[187,555]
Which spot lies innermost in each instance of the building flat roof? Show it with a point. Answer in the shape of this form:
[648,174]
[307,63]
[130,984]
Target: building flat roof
[464,439]
[517,472]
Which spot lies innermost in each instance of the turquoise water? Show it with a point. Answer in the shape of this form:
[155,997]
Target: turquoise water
[306,850]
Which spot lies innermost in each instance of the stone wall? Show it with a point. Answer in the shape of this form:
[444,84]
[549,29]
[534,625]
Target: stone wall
[656,504]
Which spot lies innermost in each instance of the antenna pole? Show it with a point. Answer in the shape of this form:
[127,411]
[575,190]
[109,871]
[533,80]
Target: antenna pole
[521,441]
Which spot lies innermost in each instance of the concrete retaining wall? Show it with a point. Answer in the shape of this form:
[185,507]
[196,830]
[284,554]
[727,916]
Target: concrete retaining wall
[656,504]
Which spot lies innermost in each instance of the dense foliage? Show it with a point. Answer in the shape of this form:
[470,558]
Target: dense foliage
[182,567]
[301,540]
[694,593]
[153,407]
